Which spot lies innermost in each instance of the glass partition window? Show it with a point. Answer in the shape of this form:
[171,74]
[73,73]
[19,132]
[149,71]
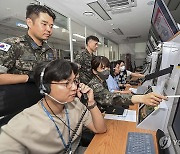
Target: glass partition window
[12,19]
[100,50]
[59,40]
[113,51]
[78,38]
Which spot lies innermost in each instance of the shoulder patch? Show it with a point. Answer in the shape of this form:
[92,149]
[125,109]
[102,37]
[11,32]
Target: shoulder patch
[4,46]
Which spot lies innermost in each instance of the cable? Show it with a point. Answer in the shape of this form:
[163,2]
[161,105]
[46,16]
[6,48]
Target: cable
[61,119]
[75,130]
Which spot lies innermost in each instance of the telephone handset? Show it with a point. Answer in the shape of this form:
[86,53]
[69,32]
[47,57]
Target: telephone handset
[84,98]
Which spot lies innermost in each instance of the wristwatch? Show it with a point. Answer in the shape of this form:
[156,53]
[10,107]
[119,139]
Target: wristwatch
[91,106]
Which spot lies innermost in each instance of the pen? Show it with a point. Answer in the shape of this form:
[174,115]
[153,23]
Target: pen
[173,96]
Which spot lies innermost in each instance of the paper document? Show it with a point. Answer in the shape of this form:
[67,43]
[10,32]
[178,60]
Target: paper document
[128,115]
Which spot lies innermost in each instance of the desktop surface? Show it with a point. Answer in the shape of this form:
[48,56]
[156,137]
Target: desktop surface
[115,139]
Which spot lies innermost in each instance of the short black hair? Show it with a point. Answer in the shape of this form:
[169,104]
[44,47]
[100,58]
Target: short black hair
[112,66]
[55,70]
[120,61]
[99,60]
[91,37]
[34,9]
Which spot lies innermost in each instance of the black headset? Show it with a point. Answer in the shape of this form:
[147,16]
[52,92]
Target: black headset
[44,88]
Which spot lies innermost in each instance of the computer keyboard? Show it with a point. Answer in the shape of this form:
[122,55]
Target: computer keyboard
[140,143]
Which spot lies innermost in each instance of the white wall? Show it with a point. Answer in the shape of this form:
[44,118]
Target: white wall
[137,51]
[140,53]
[127,48]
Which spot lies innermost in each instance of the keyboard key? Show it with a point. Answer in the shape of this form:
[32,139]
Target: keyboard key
[140,143]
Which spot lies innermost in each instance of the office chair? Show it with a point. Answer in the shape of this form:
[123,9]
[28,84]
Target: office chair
[14,98]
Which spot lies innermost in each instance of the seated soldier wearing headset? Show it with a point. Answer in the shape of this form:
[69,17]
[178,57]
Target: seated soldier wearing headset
[54,124]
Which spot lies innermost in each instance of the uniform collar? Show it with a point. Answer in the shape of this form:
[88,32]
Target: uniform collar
[34,45]
[88,52]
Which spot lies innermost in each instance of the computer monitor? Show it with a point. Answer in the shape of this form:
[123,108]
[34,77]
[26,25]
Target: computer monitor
[163,22]
[174,125]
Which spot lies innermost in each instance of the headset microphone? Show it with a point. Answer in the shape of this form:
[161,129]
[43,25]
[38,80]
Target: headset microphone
[54,99]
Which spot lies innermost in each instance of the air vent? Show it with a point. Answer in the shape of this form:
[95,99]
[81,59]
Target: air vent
[133,37]
[118,31]
[119,4]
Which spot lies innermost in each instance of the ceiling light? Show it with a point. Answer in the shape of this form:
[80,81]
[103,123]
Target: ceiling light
[99,10]
[80,36]
[88,13]
[21,25]
[55,27]
[118,31]
[74,40]
[64,30]
[112,24]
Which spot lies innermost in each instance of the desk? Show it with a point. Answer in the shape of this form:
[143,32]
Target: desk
[114,140]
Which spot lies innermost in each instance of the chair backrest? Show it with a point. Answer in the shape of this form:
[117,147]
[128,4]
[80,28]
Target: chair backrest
[14,98]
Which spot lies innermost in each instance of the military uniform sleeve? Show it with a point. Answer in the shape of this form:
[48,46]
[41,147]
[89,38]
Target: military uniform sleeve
[79,59]
[105,97]
[8,58]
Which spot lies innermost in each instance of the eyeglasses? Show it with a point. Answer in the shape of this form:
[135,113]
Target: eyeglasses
[68,84]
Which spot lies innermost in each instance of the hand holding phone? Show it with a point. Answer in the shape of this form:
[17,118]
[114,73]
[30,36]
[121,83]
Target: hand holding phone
[85,93]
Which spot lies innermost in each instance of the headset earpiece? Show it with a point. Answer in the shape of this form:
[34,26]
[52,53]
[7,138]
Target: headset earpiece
[44,88]
[47,88]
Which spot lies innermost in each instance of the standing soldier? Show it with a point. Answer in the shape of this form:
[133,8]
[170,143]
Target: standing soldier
[85,57]
[19,55]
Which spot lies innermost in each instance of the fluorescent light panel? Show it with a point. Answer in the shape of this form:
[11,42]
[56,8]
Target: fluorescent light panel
[80,36]
[118,31]
[99,10]
[21,25]
[55,27]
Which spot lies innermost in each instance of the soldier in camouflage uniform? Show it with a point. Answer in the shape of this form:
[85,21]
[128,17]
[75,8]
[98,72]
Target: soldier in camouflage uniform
[84,59]
[19,55]
[100,67]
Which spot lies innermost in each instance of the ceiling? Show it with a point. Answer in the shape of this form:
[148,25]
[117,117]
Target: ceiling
[133,22]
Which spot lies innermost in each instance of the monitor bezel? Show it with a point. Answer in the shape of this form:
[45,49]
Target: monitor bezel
[171,119]
[140,108]
[167,16]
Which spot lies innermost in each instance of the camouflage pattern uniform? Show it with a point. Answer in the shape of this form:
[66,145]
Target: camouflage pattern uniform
[84,60]
[23,55]
[104,97]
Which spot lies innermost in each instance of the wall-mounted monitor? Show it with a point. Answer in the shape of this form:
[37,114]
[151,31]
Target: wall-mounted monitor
[163,21]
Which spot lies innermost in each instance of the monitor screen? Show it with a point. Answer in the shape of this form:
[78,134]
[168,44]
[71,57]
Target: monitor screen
[163,21]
